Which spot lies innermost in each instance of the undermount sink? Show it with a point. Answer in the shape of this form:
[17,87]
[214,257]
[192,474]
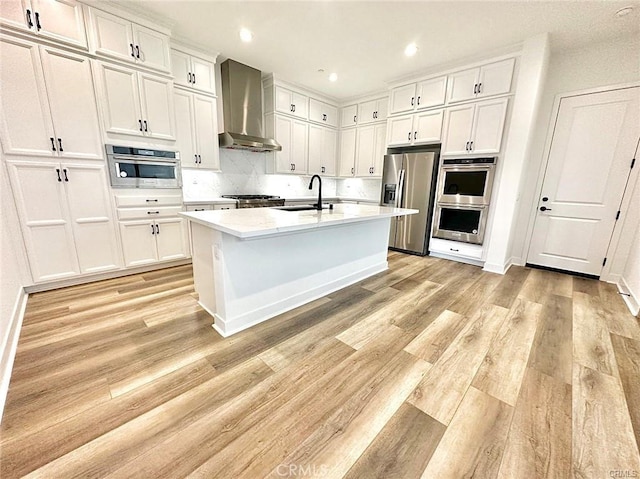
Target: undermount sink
[302,207]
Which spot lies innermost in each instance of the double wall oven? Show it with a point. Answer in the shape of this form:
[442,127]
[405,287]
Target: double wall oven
[463,197]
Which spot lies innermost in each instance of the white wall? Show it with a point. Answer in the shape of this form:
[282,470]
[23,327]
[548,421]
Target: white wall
[610,63]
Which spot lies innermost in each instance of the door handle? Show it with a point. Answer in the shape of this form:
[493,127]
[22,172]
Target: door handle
[352,171]
[475,89]
[196,157]
[29,22]
[66,178]
[544,208]
[322,169]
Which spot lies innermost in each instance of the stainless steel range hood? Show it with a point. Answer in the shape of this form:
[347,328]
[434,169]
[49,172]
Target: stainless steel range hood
[242,108]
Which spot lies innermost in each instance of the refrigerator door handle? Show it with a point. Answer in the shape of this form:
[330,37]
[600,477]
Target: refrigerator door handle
[400,195]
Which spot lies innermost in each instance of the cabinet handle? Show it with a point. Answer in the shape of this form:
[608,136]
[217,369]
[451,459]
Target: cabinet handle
[60,144]
[199,209]
[53,144]
[153,230]
[467,146]
[193,75]
[153,212]
[418,101]
[352,171]
[475,88]
[151,201]
[470,145]
[189,77]
[291,107]
[322,169]
[138,51]
[409,136]
[415,135]
[66,178]
[133,53]
[412,100]
[544,208]
[324,117]
[199,159]
[355,118]
[145,125]
[58,172]
[454,249]
[294,167]
[157,229]
[479,87]
[38,26]
[294,108]
[140,121]
[29,22]
[196,158]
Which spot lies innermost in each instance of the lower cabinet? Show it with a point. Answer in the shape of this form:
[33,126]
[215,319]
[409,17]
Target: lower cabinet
[322,150]
[66,218]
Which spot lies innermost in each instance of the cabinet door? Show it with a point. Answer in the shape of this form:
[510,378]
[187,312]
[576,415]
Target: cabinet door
[431,93]
[91,218]
[379,149]
[382,107]
[111,36]
[346,160]
[427,127]
[348,116]
[402,99]
[120,99]
[282,134]
[185,128]
[203,72]
[495,78]
[152,48]
[322,113]
[462,85]
[284,100]
[488,125]
[138,242]
[157,106]
[316,149]
[400,130]
[181,68]
[300,146]
[171,239]
[206,132]
[25,119]
[40,199]
[366,112]
[330,148]
[458,122]
[13,13]
[61,20]
[365,140]
[73,104]
[300,105]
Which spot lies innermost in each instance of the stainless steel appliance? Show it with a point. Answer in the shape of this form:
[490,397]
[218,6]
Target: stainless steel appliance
[131,167]
[242,109]
[464,223]
[408,181]
[466,181]
[256,201]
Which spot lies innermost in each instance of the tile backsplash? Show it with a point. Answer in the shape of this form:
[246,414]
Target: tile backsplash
[244,172]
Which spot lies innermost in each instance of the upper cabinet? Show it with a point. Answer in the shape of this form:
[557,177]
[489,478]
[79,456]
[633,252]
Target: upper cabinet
[323,143]
[196,130]
[417,96]
[193,72]
[290,102]
[323,113]
[49,105]
[372,111]
[487,80]
[348,116]
[124,40]
[59,20]
[417,129]
[293,136]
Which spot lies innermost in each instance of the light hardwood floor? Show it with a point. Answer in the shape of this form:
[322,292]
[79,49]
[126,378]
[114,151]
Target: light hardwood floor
[432,369]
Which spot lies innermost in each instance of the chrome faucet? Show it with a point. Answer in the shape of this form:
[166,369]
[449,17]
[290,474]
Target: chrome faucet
[319,204]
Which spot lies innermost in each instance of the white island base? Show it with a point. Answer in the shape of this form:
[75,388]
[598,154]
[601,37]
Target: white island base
[244,277]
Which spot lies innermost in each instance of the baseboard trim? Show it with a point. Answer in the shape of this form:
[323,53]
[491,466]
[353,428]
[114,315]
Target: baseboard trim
[458,259]
[629,298]
[10,346]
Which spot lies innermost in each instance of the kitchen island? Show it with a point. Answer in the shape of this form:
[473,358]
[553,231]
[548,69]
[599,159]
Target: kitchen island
[252,264]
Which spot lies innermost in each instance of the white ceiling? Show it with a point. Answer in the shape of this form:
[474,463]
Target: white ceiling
[363,42]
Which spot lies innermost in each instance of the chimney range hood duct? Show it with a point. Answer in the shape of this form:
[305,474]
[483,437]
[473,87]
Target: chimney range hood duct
[242,108]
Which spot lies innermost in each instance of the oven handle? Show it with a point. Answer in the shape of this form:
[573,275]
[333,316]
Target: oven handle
[400,196]
[467,167]
[145,159]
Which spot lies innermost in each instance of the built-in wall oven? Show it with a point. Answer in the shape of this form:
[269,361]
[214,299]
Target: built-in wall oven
[131,167]
[464,194]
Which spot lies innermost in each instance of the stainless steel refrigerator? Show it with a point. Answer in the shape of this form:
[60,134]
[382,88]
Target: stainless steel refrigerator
[409,181]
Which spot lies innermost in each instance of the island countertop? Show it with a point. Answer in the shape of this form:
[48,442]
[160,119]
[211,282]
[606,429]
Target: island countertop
[258,222]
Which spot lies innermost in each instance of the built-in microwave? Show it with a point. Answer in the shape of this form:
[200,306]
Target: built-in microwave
[131,167]
[466,181]
[464,223]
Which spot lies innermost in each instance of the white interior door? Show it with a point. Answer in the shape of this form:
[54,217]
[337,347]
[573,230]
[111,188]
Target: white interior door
[589,161]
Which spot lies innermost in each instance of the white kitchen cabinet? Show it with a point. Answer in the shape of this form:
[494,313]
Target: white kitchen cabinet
[372,111]
[66,218]
[119,38]
[59,20]
[196,130]
[348,116]
[170,239]
[291,102]
[293,136]
[347,154]
[416,129]
[322,150]
[417,96]
[192,72]
[474,128]
[323,113]
[487,80]
[370,150]
[138,242]
[135,103]
[48,102]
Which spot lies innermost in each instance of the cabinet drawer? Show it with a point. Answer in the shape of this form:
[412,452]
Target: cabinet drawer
[150,200]
[455,248]
[199,207]
[148,212]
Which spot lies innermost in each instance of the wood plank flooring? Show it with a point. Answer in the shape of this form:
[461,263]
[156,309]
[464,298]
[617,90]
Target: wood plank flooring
[430,369]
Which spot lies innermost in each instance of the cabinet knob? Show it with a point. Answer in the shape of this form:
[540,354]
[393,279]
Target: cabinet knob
[545,198]
[470,145]
[140,123]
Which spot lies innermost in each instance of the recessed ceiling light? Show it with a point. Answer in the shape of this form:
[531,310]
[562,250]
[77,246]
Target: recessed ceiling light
[246,35]
[411,49]
[624,11]
[333,77]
